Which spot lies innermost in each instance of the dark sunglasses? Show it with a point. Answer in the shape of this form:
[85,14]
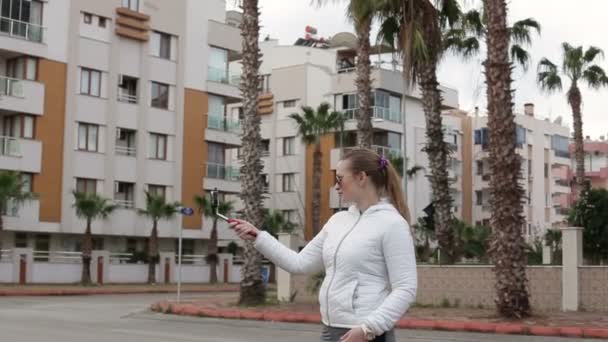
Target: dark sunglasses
[339,180]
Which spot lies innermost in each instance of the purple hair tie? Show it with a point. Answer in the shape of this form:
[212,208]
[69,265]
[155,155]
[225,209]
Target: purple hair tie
[383,162]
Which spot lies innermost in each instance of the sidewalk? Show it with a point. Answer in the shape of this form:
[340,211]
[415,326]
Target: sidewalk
[574,324]
[77,290]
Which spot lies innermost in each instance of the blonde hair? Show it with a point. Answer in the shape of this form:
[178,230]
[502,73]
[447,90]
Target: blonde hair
[382,174]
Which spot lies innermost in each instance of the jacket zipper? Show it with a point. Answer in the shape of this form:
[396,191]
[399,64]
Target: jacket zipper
[334,273]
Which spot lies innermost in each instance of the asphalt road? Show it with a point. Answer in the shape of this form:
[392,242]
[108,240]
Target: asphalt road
[125,318]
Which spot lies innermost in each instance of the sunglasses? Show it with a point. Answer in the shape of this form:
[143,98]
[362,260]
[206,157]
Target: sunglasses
[339,180]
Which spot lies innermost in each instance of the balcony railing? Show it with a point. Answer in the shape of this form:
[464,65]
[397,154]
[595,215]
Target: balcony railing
[11,87]
[22,30]
[127,98]
[377,112]
[387,151]
[10,146]
[562,211]
[221,123]
[125,151]
[125,204]
[221,171]
[222,75]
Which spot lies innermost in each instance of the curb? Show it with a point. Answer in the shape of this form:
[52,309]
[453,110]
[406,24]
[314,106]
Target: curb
[91,292]
[447,325]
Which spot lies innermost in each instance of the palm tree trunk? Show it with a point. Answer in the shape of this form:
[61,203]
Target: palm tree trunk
[153,253]
[252,288]
[316,189]
[507,246]
[575,100]
[213,253]
[87,247]
[364,85]
[438,152]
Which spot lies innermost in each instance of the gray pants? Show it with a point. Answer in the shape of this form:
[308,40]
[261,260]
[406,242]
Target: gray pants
[330,334]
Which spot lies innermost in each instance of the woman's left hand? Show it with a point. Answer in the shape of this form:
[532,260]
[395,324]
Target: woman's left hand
[354,335]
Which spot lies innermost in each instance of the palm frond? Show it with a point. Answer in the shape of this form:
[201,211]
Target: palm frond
[548,76]
[520,32]
[520,56]
[591,53]
[572,64]
[595,77]
[472,21]
[449,13]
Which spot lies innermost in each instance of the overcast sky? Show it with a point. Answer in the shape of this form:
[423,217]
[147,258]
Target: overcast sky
[581,22]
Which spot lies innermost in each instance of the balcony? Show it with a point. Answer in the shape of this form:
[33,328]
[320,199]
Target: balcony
[21,96]
[125,151]
[124,204]
[377,113]
[223,130]
[386,151]
[22,30]
[224,36]
[220,82]
[226,178]
[22,155]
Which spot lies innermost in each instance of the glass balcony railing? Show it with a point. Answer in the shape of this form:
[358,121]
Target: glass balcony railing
[9,146]
[387,151]
[11,87]
[224,172]
[222,75]
[222,123]
[22,30]
[377,112]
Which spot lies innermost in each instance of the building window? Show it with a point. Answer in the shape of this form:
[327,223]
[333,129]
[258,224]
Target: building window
[349,105]
[290,216]
[161,45]
[90,82]
[22,67]
[133,5]
[42,244]
[86,186]
[27,182]
[546,170]
[479,167]
[127,89]
[265,147]
[19,126]
[479,197]
[561,146]
[21,240]
[187,249]
[289,182]
[124,194]
[160,95]
[158,146]
[482,137]
[88,18]
[158,190]
[125,142]
[218,65]
[102,22]
[289,104]
[289,146]
[88,137]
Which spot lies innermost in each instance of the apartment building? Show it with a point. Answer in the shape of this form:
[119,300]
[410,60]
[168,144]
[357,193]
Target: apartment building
[116,97]
[543,147]
[311,72]
[596,161]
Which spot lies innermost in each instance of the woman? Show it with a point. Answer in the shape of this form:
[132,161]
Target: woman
[367,253]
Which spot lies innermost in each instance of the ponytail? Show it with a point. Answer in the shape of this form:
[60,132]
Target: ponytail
[395,193]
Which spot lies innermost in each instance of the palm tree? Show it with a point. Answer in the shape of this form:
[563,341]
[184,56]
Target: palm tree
[579,66]
[252,291]
[89,207]
[362,13]
[11,192]
[413,27]
[553,240]
[507,246]
[312,125]
[206,207]
[156,209]
[275,223]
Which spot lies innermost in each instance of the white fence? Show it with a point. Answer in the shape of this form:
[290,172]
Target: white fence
[6,272]
[128,273]
[55,273]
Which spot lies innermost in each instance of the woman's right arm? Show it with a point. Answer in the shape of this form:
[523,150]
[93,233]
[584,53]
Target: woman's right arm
[309,260]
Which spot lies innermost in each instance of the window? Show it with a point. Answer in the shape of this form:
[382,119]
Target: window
[90,82]
[98,244]
[127,89]
[86,186]
[158,190]
[290,216]
[479,197]
[520,133]
[161,45]
[22,67]
[289,104]
[16,14]
[349,105]
[88,137]
[546,170]
[102,22]
[125,142]
[88,18]
[218,65]
[20,240]
[479,167]
[160,95]
[481,137]
[289,146]
[289,182]
[42,244]
[561,146]
[124,194]
[266,181]
[265,147]
[27,180]
[133,5]
[158,146]
[19,126]
[187,249]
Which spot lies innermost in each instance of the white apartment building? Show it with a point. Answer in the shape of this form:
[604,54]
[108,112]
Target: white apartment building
[116,97]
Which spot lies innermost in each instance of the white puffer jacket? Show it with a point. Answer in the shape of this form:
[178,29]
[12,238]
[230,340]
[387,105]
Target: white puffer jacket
[369,263]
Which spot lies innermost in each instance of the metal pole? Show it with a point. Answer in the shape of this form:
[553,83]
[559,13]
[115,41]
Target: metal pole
[179,265]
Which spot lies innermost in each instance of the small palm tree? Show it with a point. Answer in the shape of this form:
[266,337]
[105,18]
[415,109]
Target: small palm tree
[312,125]
[205,205]
[89,207]
[275,223]
[553,240]
[580,67]
[11,192]
[156,209]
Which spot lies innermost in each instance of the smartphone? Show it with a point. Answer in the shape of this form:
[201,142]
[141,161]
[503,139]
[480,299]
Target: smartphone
[229,220]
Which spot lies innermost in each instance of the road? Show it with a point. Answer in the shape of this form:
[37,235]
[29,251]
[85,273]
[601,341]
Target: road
[126,318]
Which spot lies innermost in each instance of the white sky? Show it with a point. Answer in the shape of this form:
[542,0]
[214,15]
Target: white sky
[581,22]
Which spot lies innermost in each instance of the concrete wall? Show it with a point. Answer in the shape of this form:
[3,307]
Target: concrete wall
[594,287]
[129,273]
[56,273]
[6,271]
